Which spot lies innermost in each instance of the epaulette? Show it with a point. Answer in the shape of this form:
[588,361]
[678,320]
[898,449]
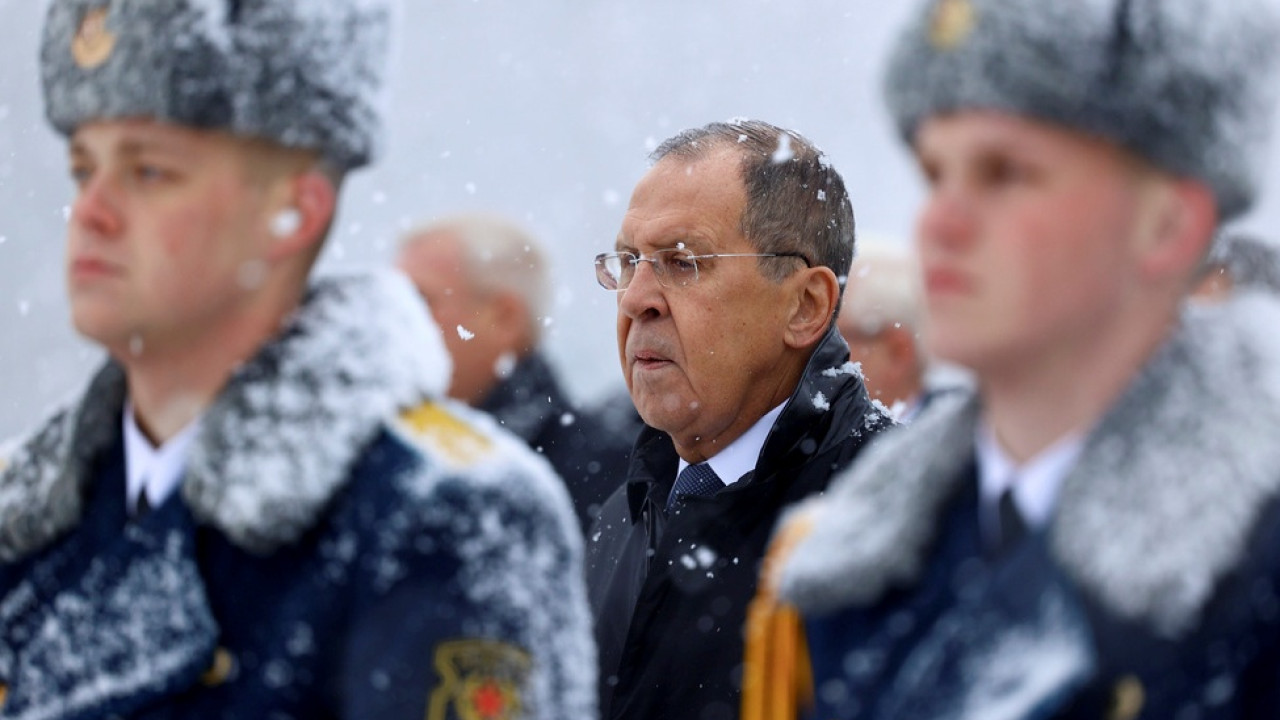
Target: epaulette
[441,432]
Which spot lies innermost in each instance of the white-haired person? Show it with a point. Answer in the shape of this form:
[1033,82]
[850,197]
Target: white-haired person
[880,318]
[488,284]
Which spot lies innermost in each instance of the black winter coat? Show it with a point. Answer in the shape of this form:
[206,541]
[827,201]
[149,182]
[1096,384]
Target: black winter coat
[589,449]
[670,593]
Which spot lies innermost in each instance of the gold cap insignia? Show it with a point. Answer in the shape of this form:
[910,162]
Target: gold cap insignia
[953,21]
[93,42]
[479,680]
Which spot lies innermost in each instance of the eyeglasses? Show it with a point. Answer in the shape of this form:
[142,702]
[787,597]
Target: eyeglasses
[674,267]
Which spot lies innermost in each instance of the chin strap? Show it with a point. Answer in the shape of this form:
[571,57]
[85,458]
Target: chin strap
[777,677]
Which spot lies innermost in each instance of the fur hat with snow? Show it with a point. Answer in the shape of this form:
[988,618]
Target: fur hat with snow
[302,73]
[1190,85]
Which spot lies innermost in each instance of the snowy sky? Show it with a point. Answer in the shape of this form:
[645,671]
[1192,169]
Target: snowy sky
[544,111]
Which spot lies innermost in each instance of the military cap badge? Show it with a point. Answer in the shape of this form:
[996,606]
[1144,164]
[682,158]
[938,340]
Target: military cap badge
[94,41]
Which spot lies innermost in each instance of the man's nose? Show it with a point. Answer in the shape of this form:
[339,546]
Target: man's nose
[644,295]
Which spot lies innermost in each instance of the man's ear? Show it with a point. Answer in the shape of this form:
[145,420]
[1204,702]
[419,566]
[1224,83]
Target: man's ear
[510,320]
[309,199]
[1184,219]
[817,293]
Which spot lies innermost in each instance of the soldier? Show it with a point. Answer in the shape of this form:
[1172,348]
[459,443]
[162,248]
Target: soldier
[1094,531]
[260,507]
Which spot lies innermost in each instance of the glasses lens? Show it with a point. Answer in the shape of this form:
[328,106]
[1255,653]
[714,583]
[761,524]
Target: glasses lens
[610,268]
[675,267]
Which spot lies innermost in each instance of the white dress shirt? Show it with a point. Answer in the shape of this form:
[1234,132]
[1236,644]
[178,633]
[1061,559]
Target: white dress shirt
[157,471]
[1035,483]
[741,455]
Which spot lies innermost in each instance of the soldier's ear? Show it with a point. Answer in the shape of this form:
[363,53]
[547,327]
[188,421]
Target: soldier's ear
[1184,217]
[814,300]
[309,199]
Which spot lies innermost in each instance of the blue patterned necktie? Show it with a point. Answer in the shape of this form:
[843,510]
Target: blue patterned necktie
[698,479]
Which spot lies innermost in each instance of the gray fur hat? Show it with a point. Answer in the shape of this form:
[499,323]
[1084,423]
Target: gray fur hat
[302,73]
[1188,84]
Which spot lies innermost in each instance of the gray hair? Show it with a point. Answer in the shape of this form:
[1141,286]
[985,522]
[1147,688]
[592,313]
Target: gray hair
[796,201]
[500,256]
[884,289]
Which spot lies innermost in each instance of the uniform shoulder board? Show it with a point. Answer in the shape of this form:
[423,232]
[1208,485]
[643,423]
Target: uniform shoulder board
[442,432]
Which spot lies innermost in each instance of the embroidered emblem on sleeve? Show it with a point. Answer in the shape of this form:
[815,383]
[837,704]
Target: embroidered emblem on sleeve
[479,680]
[439,431]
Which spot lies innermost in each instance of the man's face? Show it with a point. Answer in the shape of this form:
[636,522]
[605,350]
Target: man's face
[166,234]
[702,362]
[1026,239]
[879,369]
[436,263]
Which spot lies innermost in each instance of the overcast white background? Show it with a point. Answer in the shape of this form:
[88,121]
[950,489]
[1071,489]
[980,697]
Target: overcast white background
[543,110]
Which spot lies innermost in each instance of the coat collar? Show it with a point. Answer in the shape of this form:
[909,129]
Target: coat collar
[829,392]
[276,444]
[527,400]
[1154,515]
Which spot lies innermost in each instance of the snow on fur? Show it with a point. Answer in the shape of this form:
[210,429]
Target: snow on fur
[303,74]
[277,443]
[1156,512]
[1189,84]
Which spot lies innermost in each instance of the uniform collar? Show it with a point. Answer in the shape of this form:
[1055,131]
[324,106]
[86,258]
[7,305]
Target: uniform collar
[1156,512]
[1035,482]
[157,471]
[277,443]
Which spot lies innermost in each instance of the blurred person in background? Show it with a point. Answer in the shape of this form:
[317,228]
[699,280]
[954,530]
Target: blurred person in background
[880,320]
[1094,531]
[259,507]
[486,281]
[727,270]
[1239,262]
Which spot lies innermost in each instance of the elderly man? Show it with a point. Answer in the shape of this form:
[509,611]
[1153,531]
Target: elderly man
[727,271]
[880,319]
[487,284]
[1094,531]
[259,508]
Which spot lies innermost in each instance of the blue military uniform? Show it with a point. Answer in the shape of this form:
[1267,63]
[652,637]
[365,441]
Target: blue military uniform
[341,547]
[1153,593]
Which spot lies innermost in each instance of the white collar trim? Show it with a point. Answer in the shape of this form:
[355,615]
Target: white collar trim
[157,471]
[1035,483]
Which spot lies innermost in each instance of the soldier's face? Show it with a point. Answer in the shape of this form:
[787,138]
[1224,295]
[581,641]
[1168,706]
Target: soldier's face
[167,233]
[1029,239]
[701,361]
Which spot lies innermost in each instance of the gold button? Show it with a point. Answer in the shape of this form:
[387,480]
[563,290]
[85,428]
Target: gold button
[4,693]
[220,669]
[1127,699]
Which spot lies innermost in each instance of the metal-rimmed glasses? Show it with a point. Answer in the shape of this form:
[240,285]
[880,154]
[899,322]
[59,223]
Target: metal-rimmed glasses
[674,267]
